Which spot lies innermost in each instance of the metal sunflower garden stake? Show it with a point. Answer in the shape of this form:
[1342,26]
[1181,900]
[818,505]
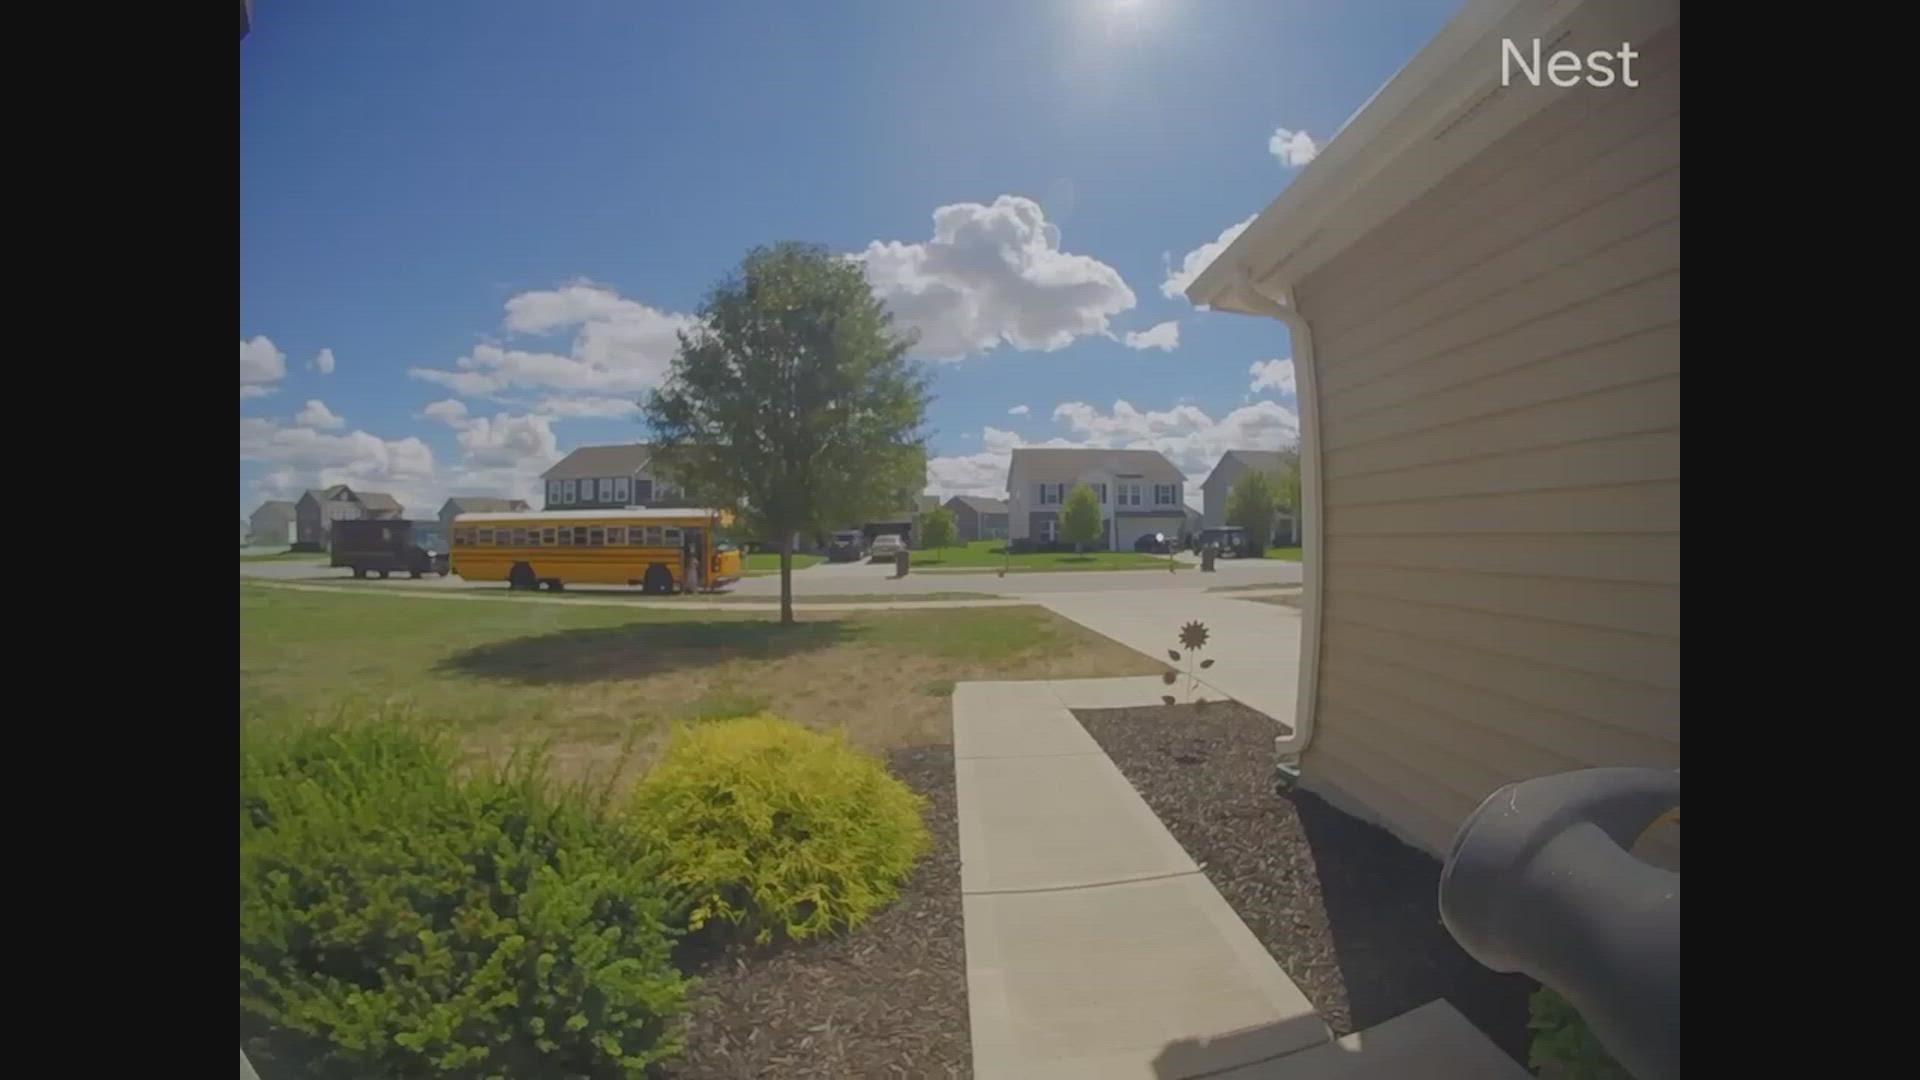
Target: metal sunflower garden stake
[1193,638]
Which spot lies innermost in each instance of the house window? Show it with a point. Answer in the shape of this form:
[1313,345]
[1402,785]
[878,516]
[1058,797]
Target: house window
[1129,495]
[616,535]
[1101,491]
[606,489]
[1049,530]
[620,490]
[1052,494]
[567,491]
[553,492]
[643,491]
[1166,494]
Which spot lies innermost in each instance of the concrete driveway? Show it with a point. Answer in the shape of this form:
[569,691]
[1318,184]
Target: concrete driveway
[1255,647]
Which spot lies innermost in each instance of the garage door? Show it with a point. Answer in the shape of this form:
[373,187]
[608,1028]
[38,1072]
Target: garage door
[1133,528]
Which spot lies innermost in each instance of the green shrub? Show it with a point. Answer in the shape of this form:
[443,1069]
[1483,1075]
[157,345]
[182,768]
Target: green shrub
[1561,1038]
[400,919]
[772,827]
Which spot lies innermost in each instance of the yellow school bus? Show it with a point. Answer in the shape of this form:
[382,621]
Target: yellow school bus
[663,550]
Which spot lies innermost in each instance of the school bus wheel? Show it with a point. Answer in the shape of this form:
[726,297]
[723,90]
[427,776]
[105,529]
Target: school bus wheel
[520,576]
[658,579]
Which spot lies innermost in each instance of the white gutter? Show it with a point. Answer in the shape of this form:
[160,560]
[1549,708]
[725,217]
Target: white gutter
[1277,302]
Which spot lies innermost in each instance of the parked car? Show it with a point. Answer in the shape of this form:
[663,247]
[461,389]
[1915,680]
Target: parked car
[1153,543]
[1230,539]
[885,547]
[848,546]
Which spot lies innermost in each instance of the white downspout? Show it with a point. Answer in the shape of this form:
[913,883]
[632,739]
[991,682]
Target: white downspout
[1278,303]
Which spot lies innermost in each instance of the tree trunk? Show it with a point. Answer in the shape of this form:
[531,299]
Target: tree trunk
[786,578]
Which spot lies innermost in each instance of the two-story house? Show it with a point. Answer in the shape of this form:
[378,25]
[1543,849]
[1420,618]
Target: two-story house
[608,478]
[1140,492]
[271,525]
[317,510]
[1233,465]
[479,504]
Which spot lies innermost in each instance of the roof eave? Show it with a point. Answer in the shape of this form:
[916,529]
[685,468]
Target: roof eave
[1438,111]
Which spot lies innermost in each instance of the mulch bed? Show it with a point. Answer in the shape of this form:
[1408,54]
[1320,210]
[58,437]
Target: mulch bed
[1349,912]
[886,1000]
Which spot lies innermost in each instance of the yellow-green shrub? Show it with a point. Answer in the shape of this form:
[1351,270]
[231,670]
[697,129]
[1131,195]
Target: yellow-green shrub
[771,827]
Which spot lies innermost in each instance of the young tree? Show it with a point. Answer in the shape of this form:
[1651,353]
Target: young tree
[793,400]
[1250,505]
[1287,493]
[1080,517]
[937,529]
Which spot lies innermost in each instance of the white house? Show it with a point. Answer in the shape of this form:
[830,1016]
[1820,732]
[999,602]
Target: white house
[1139,491]
[1480,280]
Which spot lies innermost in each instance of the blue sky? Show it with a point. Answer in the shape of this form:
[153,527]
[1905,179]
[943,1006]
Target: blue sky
[468,230]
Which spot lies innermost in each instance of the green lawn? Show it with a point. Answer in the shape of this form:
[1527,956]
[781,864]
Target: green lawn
[286,556]
[988,555]
[1291,554]
[768,562]
[588,676]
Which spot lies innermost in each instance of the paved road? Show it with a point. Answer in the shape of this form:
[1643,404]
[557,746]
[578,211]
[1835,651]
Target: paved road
[842,579]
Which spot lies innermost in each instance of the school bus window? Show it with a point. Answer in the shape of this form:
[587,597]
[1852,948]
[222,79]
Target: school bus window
[486,537]
[533,537]
[463,537]
[673,536]
[596,538]
[519,538]
[616,535]
[637,536]
[580,536]
[566,537]
[654,535]
[547,537]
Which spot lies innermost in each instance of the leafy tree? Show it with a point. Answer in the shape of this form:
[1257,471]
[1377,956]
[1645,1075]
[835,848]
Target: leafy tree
[937,529]
[1080,518]
[793,400]
[1251,505]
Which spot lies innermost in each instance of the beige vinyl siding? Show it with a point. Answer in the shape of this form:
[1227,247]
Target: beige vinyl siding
[1499,392]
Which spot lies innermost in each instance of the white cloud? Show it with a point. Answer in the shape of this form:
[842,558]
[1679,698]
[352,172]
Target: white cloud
[605,408]
[1018,410]
[302,458]
[1292,148]
[619,347]
[317,415]
[323,362]
[1164,336]
[449,411]
[1190,438]
[993,275]
[1272,375]
[261,363]
[1175,287]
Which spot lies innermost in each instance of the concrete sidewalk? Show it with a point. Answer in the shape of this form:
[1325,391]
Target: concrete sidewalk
[1095,946]
[1255,647]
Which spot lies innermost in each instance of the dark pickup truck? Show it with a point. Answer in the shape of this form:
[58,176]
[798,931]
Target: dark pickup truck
[384,547]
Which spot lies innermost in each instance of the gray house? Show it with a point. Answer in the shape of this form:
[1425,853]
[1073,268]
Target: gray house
[272,524]
[608,478]
[977,518]
[317,510]
[479,504]
[1233,465]
[1139,492]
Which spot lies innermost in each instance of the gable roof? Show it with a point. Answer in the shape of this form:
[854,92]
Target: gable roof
[327,494]
[483,504]
[284,506]
[1257,460]
[591,462]
[979,504]
[1147,464]
[926,503]
[375,500]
